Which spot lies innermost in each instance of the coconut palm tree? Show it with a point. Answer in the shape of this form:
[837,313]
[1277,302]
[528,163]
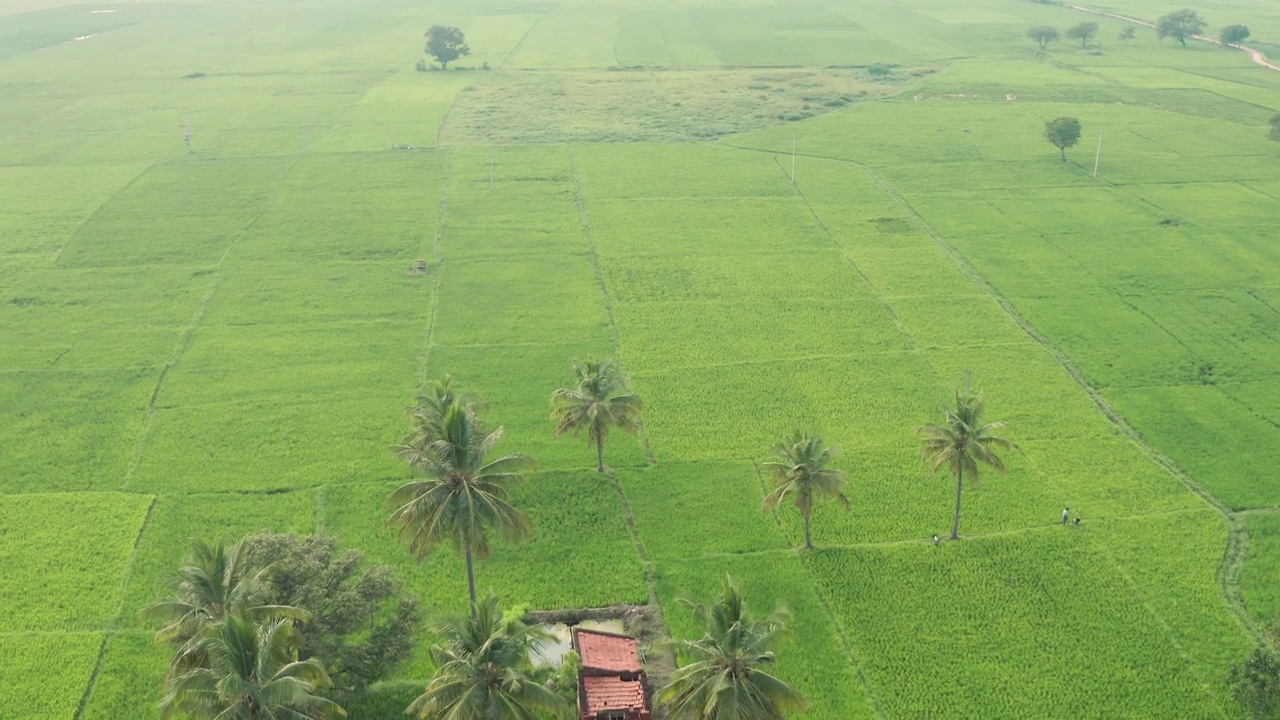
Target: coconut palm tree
[963,443]
[215,581]
[464,498]
[249,674]
[726,676]
[482,670]
[600,401]
[801,472]
[428,413]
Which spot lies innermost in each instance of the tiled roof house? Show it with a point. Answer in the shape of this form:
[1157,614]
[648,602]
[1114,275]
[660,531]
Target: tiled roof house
[611,686]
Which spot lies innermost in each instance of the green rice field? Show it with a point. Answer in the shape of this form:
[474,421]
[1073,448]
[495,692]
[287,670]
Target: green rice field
[774,213]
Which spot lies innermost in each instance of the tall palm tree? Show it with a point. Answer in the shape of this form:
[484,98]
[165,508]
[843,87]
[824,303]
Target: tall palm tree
[600,401]
[801,472]
[963,443]
[249,674]
[215,581]
[727,675]
[428,413]
[482,670]
[464,497]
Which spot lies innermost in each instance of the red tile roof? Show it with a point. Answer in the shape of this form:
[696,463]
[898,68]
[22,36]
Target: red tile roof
[611,693]
[607,652]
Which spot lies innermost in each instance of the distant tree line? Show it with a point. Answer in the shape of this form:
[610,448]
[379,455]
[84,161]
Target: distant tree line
[1180,25]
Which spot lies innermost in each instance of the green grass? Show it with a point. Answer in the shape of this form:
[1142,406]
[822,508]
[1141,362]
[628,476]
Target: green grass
[235,331]
[815,660]
[177,519]
[569,510]
[51,444]
[77,587]
[127,683]
[1030,608]
[45,675]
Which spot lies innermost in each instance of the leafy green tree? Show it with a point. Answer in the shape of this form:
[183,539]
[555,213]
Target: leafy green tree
[464,498]
[1043,35]
[1180,25]
[482,670]
[963,443]
[1255,682]
[1063,132]
[360,625]
[1083,32]
[446,44]
[1233,34]
[801,473]
[1128,34]
[726,675]
[214,582]
[1275,128]
[249,674]
[601,400]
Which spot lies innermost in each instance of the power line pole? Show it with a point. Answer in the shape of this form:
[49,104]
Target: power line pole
[1097,158]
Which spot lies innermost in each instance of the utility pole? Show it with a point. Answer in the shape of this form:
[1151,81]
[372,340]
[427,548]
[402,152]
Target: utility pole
[1097,158]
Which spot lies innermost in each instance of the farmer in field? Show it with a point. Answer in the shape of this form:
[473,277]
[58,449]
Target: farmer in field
[1066,513]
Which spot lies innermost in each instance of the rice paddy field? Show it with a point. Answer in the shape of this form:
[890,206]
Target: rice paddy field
[775,214]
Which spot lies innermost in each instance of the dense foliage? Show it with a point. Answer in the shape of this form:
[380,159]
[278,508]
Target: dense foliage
[360,624]
[726,673]
[446,44]
[1063,132]
[1180,25]
[801,474]
[465,497]
[482,666]
[599,401]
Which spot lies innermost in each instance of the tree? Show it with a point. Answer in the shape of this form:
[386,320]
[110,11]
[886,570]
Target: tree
[358,625]
[1063,132]
[250,674]
[801,473]
[1180,25]
[726,676]
[214,582]
[482,670]
[446,44]
[1128,34]
[464,498]
[1275,128]
[963,443]
[1233,34]
[1255,682]
[1043,35]
[600,400]
[1083,32]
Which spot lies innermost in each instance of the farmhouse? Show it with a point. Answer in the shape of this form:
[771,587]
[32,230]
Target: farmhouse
[612,683]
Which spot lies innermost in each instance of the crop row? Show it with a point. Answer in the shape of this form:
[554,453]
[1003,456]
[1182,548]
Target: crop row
[1027,627]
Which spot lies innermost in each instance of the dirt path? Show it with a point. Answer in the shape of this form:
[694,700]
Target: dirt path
[1257,56]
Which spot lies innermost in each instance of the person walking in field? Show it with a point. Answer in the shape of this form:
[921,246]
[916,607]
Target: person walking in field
[1066,513]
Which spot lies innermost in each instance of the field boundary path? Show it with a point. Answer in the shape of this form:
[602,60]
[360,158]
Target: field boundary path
[1237,534]
[1237,550]
[1257,56]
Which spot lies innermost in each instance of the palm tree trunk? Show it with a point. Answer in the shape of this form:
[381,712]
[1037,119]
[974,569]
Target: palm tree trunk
[955,527]
[808,541]
[471,582]
[600,453]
